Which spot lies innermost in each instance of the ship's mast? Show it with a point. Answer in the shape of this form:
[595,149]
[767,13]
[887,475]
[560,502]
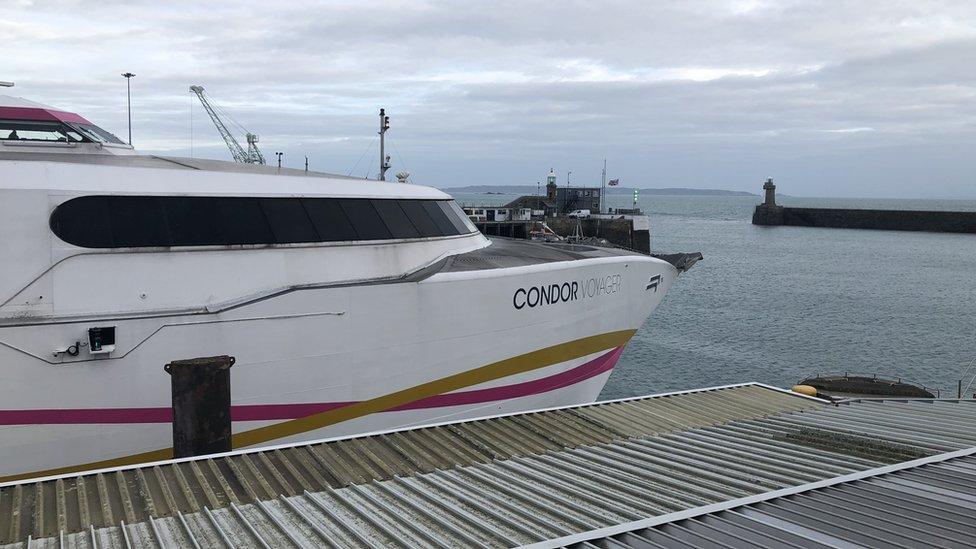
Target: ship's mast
[384,158]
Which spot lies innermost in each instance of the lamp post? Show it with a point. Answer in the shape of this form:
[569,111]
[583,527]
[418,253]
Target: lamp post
[128,95]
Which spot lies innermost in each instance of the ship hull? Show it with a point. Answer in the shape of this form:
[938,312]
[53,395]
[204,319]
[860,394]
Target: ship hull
[320,362]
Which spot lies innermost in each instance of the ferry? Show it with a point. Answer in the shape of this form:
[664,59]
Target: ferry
[350,305]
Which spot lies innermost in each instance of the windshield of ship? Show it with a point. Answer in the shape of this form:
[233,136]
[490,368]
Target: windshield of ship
[24,130]
[53,131]
[95,133]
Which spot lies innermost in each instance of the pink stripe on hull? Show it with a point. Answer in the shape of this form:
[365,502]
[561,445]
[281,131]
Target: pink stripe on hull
[266,412]
[590,369]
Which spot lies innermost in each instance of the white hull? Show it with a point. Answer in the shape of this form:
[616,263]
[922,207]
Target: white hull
[312,351]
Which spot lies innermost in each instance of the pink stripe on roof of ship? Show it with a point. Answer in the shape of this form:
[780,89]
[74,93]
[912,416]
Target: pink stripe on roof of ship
[15,108]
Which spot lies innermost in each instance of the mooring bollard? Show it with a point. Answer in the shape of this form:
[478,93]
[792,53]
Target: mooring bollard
[201,405]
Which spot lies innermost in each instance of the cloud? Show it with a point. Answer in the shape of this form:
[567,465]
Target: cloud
[692,93]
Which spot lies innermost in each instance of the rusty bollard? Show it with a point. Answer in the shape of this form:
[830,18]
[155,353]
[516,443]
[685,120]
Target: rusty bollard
[201,405]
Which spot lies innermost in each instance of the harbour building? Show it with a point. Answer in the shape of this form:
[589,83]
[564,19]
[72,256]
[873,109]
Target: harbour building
[560,200]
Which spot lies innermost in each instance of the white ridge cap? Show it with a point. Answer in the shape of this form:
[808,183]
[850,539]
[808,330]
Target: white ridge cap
[20,102]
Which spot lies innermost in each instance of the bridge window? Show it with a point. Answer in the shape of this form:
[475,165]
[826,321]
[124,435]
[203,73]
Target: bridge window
[289,220]
[16,130]
[46,130]
[165,221]
[395,218]
[420,218]
[365,219]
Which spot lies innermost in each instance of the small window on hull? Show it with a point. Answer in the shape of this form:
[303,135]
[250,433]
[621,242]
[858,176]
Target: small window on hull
[164,221]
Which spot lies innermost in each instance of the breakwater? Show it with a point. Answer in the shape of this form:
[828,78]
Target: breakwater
[770,213]
[889,220]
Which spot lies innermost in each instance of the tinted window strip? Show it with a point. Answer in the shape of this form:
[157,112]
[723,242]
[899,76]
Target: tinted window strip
[331,223]
[136,221]
[418,215]
[87,225]
[164,221]
[459,226]
[463,217]
[395,219]
[439,218]
[289,220]
[242,222]
[365,218]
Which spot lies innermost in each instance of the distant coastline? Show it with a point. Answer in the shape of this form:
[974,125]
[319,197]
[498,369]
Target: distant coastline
[531,189]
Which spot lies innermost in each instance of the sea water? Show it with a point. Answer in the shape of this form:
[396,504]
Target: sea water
[777,304]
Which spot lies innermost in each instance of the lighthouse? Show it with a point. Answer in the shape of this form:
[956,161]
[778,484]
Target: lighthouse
[770,189]
[768,213]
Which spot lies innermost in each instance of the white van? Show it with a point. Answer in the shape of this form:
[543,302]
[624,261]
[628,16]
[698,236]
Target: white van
[579,214]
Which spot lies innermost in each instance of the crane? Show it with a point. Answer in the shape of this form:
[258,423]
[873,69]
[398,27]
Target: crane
[252,155]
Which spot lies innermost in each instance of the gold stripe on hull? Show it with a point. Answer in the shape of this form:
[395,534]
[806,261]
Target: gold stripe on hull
[516,365]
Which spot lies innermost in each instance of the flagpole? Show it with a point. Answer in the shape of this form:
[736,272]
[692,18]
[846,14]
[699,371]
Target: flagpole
[603,186]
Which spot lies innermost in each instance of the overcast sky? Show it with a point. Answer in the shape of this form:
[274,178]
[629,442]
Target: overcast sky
[831,98]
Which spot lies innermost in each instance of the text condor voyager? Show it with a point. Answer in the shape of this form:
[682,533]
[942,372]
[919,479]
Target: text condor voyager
[548,294]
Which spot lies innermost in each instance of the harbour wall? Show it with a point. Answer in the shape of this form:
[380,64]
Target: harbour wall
[617,231]
[890,220]
[620,232]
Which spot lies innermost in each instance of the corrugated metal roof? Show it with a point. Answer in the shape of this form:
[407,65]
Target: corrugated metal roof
[927,424]
[72,503]
[929,502]
[519,479]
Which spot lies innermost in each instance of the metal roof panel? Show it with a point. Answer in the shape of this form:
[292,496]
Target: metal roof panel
[532,477]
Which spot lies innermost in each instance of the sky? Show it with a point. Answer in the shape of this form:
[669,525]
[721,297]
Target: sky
[830,98]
